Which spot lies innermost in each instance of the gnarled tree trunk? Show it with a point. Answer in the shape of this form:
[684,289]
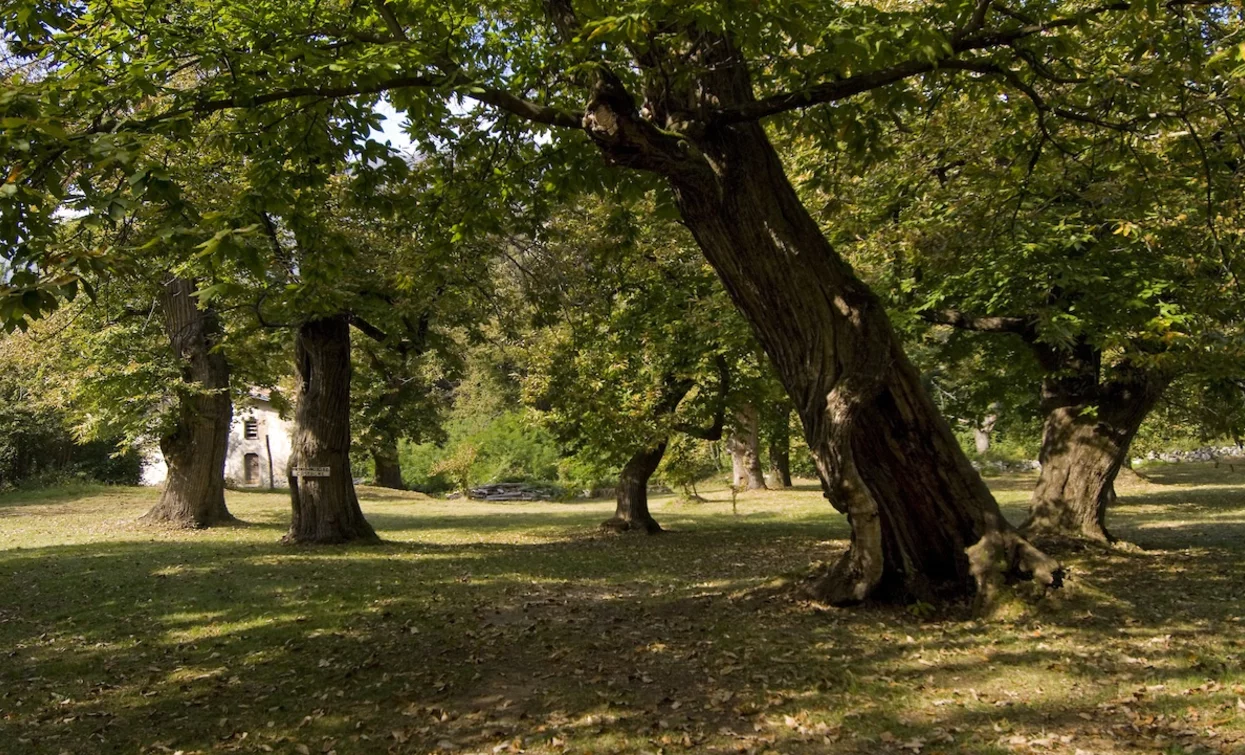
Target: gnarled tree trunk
[322,494]
[631,512]
[890,461]
[745,447]
[194,491]
[388,467]
[1089,428]
[923,522]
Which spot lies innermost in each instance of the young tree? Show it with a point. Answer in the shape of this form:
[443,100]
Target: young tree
[393,400]
[635,343]
[676,90]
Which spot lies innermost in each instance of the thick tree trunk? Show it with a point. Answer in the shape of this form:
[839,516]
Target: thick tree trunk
[745,447]
[631,513]
[1085,441]
[388,467]
[891,463]
[325,507]
[923,522]
[194,490]
[779,435]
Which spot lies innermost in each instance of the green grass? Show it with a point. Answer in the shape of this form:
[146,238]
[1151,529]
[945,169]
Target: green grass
[504,627]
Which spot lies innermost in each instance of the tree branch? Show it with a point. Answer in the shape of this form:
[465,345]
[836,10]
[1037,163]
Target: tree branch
[964,41]
[391,20]
[501,99]
[368,329]
[258,307]
[1025,327]
[416,340]
[1039,102]
[714,431]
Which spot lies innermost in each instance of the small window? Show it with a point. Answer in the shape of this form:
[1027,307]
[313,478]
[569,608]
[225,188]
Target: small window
[251,464]
[251,428]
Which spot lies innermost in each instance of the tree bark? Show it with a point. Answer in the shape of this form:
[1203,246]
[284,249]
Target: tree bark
[631,512]
[195,449]
[1089,428]
[982,431]
[924,524]
[745,447]
[388,467]
[325,508]
[779,434]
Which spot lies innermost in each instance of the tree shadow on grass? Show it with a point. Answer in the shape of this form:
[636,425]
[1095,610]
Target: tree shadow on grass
[1205,499]
[604,643]
[459,647]
[1194,473]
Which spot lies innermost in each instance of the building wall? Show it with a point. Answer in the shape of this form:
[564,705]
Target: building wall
[155,470]
[272,433]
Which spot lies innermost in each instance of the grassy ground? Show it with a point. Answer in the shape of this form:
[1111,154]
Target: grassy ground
[517,627]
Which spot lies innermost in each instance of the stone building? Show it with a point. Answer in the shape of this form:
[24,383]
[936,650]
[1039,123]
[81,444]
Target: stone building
[259,448]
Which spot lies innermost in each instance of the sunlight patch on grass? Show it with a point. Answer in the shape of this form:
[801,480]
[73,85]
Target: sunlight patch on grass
[477,625]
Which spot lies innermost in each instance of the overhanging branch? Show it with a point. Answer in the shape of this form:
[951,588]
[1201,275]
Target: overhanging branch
[498,98]
[967,40]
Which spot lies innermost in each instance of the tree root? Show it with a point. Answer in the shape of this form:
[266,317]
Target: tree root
[156,517]
[619,525]
[1005,555]
[1044,528]
[289,538]
[848,583]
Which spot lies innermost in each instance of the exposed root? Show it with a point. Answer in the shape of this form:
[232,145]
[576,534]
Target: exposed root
[335,538]
[1002,556]
[1045,528]
[1060,542]
[620,525]
[848,583]
[158,517]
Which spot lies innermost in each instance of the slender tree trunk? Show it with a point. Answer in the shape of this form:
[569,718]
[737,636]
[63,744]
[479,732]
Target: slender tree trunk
[745,447]
[195,448]
[325,507]
[631,513]
[1085,441]
[780,448]
[923,522]
[388,467]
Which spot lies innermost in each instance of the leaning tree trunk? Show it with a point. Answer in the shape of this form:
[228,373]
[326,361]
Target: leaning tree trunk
[780,449]
[388,466]
[1084,443]
[195,448]
[325,507]
[923,522]
[631,513]
[745,447]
